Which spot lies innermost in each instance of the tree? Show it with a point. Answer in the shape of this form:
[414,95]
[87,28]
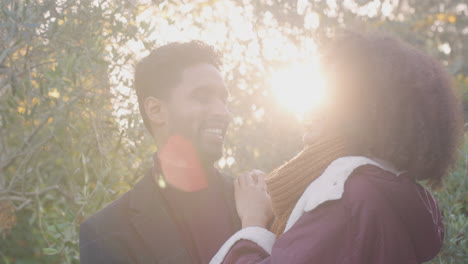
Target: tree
[60,144]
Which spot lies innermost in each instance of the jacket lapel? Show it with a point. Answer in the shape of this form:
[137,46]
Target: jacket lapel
[228,193]
[154,224]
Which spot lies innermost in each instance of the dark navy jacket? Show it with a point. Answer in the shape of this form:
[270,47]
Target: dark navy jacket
[138,228]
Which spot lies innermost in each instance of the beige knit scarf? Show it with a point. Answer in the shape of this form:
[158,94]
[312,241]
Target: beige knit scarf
[287,183]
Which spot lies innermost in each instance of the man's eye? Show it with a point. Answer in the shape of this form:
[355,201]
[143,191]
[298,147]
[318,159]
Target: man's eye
[202,98]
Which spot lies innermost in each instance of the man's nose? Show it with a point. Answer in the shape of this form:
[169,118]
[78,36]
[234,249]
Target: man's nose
[221,109]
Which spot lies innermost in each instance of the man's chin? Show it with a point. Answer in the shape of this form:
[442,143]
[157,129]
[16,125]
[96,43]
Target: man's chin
[210,148]
[210,154]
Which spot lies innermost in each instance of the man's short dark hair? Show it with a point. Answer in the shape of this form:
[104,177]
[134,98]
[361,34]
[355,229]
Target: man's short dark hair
[159,72]
[407,111]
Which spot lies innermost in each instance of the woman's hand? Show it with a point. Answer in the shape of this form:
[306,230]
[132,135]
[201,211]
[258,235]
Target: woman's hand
[252,200]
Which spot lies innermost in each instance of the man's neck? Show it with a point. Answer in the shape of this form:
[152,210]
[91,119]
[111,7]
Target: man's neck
[184,172]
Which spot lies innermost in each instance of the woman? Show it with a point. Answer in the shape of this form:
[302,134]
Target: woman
[351,196]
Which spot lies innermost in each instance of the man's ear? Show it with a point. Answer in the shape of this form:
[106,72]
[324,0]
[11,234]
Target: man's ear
[155,110]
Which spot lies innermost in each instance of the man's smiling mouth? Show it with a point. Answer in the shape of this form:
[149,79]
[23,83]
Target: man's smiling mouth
[215,130]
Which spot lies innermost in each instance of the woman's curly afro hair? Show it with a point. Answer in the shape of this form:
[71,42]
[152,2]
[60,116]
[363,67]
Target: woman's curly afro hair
[401,105]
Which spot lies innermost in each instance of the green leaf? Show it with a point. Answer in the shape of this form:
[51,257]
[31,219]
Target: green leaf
[50,251]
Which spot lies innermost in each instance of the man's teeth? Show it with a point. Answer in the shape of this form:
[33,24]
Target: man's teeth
[216,131]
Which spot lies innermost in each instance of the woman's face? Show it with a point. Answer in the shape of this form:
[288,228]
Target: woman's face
[329,120]
[314,126]
[316,121]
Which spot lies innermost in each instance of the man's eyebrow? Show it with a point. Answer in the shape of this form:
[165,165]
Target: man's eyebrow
[222,90]
[202,89]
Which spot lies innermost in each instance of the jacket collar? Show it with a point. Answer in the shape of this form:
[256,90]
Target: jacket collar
[154,224]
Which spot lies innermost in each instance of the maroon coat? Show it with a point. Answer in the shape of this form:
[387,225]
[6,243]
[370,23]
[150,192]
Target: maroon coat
[380,219]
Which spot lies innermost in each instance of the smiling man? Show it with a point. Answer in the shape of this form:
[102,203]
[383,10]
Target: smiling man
[183,209]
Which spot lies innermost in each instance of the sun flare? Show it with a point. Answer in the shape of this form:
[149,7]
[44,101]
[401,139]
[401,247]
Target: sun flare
[299,88]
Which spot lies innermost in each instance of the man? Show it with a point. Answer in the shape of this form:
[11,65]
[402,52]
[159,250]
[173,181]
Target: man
[183,210]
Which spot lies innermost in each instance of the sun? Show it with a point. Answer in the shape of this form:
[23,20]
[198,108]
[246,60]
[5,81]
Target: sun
[299,88]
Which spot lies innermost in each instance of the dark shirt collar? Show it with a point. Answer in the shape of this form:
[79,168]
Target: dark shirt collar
[212,174]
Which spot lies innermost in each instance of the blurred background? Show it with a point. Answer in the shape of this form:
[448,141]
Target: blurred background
[71,137]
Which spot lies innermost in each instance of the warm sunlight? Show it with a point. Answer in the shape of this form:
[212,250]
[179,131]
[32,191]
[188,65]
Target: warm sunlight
[299,87]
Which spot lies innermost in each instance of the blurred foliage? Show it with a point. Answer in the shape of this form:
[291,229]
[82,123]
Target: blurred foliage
[453,200]
[60,143]
[71,139]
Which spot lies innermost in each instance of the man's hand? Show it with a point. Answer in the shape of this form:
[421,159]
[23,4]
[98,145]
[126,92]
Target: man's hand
[252,200]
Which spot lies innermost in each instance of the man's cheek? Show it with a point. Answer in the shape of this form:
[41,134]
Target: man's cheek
[191,129]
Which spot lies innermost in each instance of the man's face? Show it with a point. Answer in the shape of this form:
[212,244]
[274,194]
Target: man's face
[197,110]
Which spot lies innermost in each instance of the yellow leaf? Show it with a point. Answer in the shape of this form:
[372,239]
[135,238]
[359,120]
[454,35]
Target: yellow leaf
[21,109]
[35,100]
[440,17]
[7,215]
[22,51]
[452,19]
[60,22]
[15,56]
[50,120]
[54,93]
[35,84]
